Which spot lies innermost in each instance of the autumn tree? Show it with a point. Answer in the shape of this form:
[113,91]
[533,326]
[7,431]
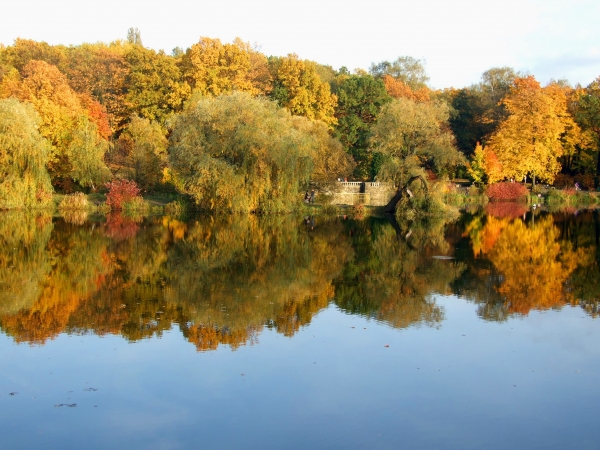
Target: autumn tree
[77,149]
[85,154]
[406,69]
[478,110]
[145,144]
[577,144]
[533,136]
[100,72]
[237,153]
[155,89]
[23,51]
[24,181]
[414,136]
[213,68]
[298,87]
[360,99]
[588,115]
[329,160]
[398,88]
[484,166]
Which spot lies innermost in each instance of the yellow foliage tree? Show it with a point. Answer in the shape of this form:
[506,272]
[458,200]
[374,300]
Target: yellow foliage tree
[535,133]
[213,68]
[298,87]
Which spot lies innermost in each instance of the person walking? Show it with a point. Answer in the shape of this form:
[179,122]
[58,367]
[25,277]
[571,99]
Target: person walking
[312,196]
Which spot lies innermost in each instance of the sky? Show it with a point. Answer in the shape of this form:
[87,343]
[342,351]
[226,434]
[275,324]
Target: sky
[457,39]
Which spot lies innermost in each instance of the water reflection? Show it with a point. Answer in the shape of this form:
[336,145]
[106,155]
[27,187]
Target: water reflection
[394,277]
[222,280]
[528,263]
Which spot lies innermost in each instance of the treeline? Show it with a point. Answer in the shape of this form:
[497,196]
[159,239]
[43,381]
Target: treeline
[237,129]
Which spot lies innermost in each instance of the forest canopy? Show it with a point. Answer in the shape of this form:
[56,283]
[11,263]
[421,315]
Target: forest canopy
[122,110]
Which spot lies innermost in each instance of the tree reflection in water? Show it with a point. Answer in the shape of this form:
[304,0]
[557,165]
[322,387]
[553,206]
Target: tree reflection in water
[521,266]
[223,280]
[394,275]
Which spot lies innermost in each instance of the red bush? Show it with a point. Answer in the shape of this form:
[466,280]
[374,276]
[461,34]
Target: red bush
[506,192]
[120,191]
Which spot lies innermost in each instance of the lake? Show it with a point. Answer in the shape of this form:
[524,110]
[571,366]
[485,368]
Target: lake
[284,332]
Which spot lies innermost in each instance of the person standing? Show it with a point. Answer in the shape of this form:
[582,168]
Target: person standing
[312,196]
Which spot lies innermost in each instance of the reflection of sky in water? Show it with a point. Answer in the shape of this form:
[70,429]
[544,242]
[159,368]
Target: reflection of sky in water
[529,382]
[492,368]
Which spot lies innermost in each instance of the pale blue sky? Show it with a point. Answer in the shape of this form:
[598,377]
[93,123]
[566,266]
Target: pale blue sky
[458,39]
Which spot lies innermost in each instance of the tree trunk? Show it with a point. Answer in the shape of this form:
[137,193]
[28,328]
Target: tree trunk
[391,206]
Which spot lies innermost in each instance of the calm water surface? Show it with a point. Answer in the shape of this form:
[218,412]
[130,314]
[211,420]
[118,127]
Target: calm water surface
[283,333]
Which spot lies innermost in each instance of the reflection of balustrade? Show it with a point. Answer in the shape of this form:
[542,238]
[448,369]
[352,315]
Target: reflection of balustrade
[352,198]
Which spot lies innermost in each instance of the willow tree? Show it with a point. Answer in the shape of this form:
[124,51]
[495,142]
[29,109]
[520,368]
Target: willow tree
[24,181]
[77,146]
[239,153]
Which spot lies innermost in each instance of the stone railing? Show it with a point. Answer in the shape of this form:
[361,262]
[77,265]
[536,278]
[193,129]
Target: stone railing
[363,193]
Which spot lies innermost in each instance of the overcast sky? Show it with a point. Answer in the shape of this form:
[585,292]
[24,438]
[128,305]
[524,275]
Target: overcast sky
[458,39]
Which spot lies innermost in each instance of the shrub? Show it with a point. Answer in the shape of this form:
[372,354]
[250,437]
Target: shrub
[473,190]
[77,201]
[121,191]
[506,191]
[135,205]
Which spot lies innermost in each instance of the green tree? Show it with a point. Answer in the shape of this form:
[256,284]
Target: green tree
[85,153]
[146,145]
[478,110]
[134,36]
[24,180]
[360,99]
[414,136]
